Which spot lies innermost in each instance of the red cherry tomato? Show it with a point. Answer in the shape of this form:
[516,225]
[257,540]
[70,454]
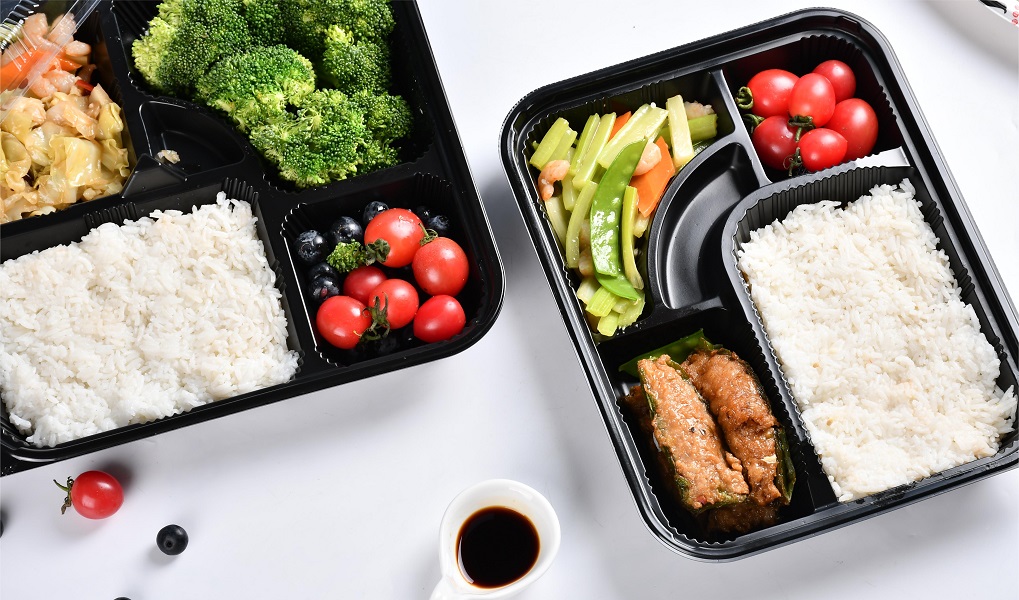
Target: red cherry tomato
[821,149]
[841,77]
[399,299]
[402,229]
[439,318]
[775,142]
[812,96]
[770,90]
[856,121]
[341,320]
[440,267]
[360,283]
[94,494]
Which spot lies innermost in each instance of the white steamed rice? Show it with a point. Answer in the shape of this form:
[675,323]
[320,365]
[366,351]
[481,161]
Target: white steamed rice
[138,322]
[894,379]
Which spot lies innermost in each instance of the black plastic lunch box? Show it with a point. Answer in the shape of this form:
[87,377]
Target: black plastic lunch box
[707,212]
[215,157]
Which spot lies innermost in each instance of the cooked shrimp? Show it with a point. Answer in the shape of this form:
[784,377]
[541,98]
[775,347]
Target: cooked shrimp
[554,171]
[67,112]
[42,87]
[35,27]
[76,48]
[651,156]
[61,80]
[62,30]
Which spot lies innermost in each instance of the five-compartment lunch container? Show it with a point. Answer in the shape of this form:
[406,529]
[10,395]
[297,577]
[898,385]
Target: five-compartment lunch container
[215,157]
[689,257]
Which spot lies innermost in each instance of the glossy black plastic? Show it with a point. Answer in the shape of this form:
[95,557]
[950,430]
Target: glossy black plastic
[688,258]
[215,157]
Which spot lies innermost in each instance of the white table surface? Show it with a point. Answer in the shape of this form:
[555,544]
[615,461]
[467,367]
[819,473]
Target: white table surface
[338,494]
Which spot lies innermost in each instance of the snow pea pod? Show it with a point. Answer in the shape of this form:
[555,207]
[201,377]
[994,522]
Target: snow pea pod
[606,211]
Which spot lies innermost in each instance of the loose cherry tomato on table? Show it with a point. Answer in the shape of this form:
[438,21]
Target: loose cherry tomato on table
[841,77]
[440,267]
[342,320]
[856,121]
[821,148]
[439,318]
[767,93]
[93,494]
[361,282]
[398,299]
[813,96]
[402,229]
[775,142]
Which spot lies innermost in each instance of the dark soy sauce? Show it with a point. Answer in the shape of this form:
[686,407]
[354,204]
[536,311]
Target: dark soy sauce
[496,546]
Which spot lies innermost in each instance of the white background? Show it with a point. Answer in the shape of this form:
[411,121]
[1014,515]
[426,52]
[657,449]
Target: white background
[339,494]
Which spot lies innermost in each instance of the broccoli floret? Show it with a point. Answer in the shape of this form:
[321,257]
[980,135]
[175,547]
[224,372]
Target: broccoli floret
[387,117]
[186,38]
[351,65]
[308,20]
[368,20]
[322,142]
[346,257]
[265,22]
[255,87]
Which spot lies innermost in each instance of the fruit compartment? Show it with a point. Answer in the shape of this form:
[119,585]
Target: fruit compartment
[417,189]
[187,137]
[799,54]
[845,185]
[67,231]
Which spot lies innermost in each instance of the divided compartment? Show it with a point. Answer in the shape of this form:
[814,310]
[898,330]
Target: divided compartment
[67,231]
[418,189]
[846,185]
[172,118]
[700,86]
[95,32]
[800,54]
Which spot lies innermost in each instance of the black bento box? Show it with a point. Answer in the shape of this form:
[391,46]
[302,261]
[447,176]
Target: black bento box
[215,157]
[689,258]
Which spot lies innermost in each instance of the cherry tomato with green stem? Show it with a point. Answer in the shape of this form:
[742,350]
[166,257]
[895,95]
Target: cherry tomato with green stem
[399,301]
[93,494]
[775,142]
[342,320]
[402,229]
[767,93]
[812,100]
[440,267]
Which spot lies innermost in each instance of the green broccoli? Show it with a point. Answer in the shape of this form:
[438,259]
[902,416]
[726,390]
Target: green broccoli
[367,20]
[186,38]
[308,20]
[265,21]
[255,87]
[322,142]
[351,255]
[351,65]
[387,117]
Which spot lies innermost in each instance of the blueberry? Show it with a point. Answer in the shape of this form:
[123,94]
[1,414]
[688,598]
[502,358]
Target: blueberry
[322,268]
[345,230]
[324,286]
[311,247]
[172,539]
[439,224]
[372,210]
[424,213]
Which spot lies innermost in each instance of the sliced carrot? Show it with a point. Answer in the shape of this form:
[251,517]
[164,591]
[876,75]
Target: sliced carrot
[17,67]
[651,185]
[66,64]
[88,87]
[619,122]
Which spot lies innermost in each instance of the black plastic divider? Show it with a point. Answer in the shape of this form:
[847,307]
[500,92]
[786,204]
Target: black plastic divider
[691,285]
[214,157]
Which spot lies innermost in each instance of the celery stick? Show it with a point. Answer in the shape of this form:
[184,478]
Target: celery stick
[549,143]
[565,146]
[607,324]
[643,124]
[629,216]
[703,128]
[581,212]
[601,303]
[679,128]
[640,224]
[569,194]
[622,304]
[557,217]
[586,289]
[587,162]
[632,313]
[590,128]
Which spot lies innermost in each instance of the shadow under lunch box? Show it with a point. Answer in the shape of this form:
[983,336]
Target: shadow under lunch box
[214,157]
[688,261]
